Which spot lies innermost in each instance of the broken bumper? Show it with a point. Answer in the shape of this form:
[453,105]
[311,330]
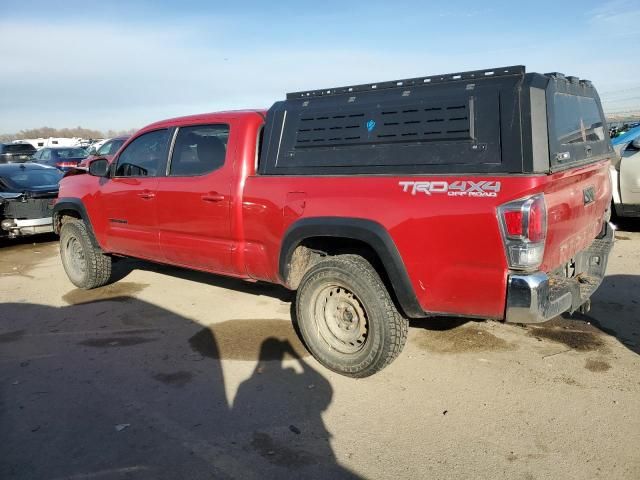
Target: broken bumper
[538,297]
[16,228]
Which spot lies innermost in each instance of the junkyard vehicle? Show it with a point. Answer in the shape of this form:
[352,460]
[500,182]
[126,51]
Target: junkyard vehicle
[16,152]
[620,129]
[107,150]
[27,195]
[62,158]
[480,194]
[625,174]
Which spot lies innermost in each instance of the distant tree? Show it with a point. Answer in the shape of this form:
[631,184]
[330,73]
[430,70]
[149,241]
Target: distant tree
[46,132]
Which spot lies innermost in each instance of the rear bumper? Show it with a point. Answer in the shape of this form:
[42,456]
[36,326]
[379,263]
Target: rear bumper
[538,297]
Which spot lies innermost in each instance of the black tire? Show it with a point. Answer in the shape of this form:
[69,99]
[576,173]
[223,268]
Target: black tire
[330,294]
[86,266]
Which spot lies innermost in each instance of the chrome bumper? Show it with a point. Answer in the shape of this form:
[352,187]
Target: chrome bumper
[538,297]
[32,226]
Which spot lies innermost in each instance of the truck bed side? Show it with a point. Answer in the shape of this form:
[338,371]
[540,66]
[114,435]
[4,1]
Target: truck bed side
[450,245]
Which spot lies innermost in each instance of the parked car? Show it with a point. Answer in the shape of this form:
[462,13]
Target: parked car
[62,158]
[620,129]
[625,174]
[96,145]
[479,194]
[27,195]
[106,150]
[16,152]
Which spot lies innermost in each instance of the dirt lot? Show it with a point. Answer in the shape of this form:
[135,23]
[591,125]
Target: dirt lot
[170,374]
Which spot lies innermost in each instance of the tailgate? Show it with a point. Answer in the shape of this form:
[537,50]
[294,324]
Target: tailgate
[577,201]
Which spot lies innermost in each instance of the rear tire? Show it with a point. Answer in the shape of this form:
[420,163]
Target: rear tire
[86,266]
[346,317]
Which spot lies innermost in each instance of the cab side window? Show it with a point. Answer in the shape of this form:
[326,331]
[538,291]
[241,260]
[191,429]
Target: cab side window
[199,150]
[145,156]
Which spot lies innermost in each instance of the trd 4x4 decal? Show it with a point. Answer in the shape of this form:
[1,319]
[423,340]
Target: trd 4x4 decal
[459,188]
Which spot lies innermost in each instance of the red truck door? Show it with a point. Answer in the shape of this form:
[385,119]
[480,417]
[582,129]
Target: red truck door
[193,200]
[129,199]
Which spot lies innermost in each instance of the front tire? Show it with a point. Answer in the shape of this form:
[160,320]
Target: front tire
[346,317]
[86,266]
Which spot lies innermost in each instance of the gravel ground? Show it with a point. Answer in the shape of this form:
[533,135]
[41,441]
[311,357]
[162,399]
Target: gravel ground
[171,374]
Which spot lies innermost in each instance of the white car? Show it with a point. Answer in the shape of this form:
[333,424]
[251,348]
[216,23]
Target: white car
[625,174]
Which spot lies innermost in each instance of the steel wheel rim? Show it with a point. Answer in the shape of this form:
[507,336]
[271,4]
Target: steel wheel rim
[75,256]
[341,320]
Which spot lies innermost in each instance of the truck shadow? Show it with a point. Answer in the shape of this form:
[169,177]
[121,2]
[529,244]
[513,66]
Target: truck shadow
[116,388]
[616,309]
[123,267]
[6,242]
[615,312]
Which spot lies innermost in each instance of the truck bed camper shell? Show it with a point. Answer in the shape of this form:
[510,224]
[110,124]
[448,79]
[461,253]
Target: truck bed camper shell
[501,120]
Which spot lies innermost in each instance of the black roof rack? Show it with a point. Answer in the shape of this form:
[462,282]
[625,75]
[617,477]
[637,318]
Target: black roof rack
[571,79]
[449,77]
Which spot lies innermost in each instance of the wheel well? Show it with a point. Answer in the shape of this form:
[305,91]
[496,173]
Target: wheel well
[312,249]
[61,216]
[309,239]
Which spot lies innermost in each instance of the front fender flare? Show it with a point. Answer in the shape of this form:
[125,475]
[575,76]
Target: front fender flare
[74,204]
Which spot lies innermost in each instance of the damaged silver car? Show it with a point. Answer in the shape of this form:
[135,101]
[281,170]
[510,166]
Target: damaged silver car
[27,194]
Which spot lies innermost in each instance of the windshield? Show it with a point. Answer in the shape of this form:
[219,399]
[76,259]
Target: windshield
[577,119]
[110,148]
[69,153]
[19,148]
[26,179]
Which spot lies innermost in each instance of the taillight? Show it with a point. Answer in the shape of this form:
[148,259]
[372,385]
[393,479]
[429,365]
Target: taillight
[524,230]
[66,164]
[513,223]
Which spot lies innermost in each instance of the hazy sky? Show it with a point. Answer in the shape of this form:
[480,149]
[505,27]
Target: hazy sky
[120,65]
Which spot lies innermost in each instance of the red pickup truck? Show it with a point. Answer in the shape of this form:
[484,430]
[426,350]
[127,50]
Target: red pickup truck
[480,194]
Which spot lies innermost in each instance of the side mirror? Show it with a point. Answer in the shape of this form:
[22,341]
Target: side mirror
[99,167]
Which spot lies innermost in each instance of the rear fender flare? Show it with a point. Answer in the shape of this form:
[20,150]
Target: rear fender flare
[367,231]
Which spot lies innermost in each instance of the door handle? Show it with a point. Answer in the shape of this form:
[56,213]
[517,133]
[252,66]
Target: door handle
[146,194]
[212,197]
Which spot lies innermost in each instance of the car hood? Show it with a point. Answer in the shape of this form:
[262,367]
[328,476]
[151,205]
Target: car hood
[620,143]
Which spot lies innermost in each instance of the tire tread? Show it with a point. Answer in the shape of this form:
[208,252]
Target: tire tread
[398,326]
[98,264]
